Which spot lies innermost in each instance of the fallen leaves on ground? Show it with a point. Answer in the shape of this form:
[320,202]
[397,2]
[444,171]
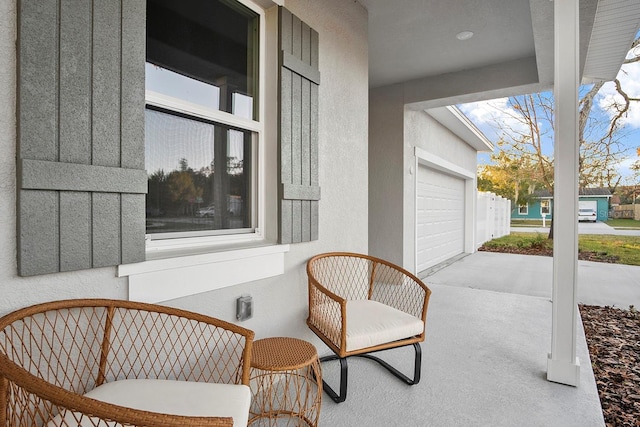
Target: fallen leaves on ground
[582,255]
[613,338]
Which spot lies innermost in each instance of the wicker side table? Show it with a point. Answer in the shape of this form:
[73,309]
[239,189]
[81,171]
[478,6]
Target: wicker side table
[285,373]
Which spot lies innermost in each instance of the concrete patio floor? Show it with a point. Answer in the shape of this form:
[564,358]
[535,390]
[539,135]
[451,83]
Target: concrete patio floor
[484,364]
[599,283]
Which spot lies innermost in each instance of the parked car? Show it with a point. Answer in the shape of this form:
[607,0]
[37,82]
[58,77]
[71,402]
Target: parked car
[587,214]
[206,212]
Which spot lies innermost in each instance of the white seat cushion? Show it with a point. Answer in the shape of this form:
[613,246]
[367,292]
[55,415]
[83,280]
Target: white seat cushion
[172,397]
[371,323]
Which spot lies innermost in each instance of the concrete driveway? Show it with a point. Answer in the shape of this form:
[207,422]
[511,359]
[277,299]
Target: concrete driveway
[601,284]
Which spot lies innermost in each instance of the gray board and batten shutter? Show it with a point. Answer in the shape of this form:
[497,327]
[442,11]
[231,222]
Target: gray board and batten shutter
[80,158]
[299,77]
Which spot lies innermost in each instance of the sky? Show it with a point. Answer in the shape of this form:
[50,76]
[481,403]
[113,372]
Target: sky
[485,114]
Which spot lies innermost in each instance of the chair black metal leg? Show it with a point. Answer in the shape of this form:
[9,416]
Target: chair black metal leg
[417,367]
[338,398]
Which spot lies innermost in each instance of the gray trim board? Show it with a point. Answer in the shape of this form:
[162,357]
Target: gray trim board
[299,190]
[43,175]
[297,66]
[80,149]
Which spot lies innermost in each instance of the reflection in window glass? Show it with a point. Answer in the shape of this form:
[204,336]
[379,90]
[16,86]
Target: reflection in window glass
[199,175]
[205,52]
[200,53]
[176,85]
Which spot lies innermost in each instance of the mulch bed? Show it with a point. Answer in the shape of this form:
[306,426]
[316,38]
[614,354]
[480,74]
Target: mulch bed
[613,338]
[582,255]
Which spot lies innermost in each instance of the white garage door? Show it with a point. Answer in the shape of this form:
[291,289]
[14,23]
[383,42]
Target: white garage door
[440,221]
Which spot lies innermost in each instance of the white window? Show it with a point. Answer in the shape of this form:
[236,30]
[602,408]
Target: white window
[203,119]
[205,149]
[545,207]
[523,209]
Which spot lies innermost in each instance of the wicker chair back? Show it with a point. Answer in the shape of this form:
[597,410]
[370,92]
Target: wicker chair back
[53,353]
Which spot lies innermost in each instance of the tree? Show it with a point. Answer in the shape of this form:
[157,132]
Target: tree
[598,169]
[529,134]
[631,190]
[525,126]
[525,129]
[182,190]
[600,147]
[635,167]
[509,176]
[155,202]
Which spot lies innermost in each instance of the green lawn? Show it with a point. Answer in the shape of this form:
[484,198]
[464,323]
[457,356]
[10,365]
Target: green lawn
[626,248]
[528,222]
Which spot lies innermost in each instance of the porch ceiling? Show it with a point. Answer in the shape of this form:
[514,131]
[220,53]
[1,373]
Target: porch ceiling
[414,43]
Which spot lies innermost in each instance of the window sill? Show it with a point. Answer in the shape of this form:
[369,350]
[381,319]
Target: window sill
[178,273]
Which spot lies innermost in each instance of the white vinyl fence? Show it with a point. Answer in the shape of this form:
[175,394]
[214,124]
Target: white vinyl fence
[493,217]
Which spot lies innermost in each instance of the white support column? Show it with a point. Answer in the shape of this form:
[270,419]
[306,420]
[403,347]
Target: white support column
[563,365]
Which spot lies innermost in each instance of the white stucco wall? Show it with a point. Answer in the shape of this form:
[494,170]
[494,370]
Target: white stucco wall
[386,214]
[280,303]
[394,132]
[423,131]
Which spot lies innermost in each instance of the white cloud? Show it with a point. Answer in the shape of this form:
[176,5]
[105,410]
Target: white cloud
[629,77]
[484,112]
[493,117]
[624,169]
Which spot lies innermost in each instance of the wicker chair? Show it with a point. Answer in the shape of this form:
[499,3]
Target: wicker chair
[112,363]
[360,304]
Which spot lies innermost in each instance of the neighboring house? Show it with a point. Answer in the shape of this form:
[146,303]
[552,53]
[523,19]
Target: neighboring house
[542,205]
[325,120]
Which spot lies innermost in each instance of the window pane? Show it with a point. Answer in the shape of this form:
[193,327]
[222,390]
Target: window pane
[205,52]
[544,206]
[176,85]
[199,175]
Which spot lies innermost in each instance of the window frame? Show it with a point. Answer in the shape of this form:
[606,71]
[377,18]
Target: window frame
[159,244]
[548,207]
[524,211]
[216,262]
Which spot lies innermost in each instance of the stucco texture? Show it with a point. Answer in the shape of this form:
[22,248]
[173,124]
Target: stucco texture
[386,165]
[280,303]
[422,130]
[394,132]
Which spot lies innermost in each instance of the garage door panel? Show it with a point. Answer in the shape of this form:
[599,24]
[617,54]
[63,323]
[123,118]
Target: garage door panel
[440,217]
